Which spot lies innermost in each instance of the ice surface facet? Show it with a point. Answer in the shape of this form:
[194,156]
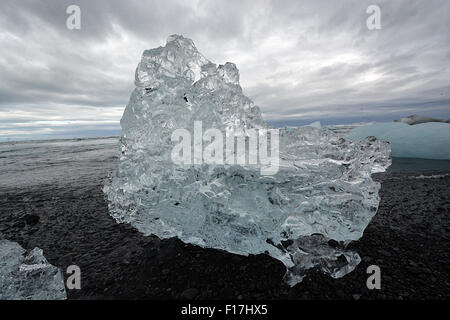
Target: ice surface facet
[26,275]
[321,192]
[429,140]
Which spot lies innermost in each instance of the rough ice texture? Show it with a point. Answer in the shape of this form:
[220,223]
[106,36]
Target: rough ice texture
[416,119]
[26,275]
[425,140]
[322,191]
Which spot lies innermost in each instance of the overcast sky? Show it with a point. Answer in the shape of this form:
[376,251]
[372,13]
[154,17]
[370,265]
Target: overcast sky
[300,61]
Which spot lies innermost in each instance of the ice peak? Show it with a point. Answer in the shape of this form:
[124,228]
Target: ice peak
[178,59]
[179,38]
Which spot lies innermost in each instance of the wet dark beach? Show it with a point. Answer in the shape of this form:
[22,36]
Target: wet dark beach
[66,215]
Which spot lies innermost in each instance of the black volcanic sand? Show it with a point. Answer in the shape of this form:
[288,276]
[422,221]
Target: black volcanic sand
[408,239]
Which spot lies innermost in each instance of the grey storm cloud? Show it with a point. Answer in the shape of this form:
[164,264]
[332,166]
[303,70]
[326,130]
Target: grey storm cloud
[300,61]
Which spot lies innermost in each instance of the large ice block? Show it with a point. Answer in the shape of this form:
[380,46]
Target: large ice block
[322,189]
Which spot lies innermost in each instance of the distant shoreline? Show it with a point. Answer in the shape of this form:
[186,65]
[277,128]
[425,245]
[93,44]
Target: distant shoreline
[57,139]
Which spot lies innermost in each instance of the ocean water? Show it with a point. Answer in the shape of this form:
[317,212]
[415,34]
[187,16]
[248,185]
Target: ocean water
[60,162]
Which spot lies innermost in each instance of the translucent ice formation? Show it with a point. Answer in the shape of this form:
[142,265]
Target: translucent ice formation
[315,124]
[429,140]
[26,275]
[320,198]
[416,119]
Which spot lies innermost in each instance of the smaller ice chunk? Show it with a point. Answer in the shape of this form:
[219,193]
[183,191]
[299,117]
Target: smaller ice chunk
[429,140]
[315,124]
[26,274]
[416,119]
